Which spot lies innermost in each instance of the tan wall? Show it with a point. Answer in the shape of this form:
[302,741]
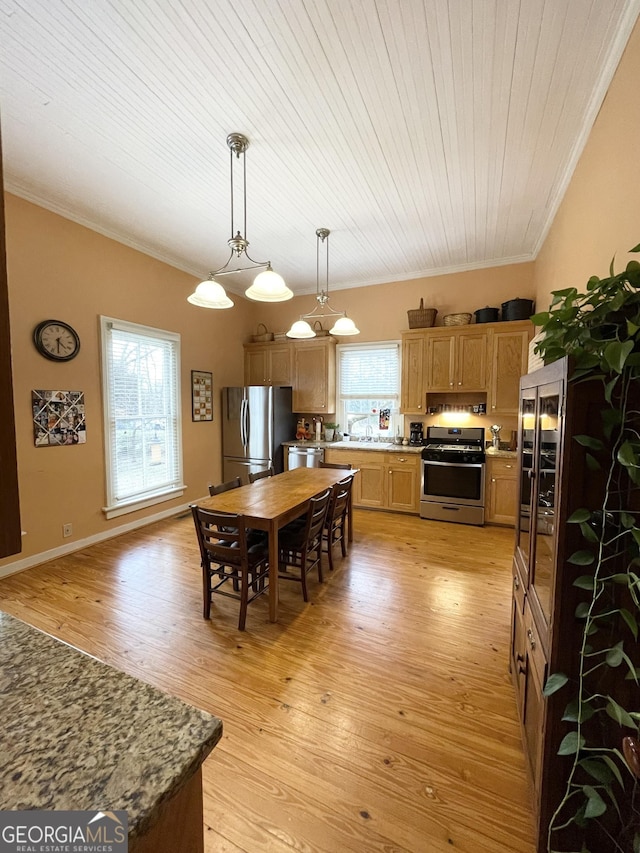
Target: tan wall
[598,217]
[380,312]
[58,269]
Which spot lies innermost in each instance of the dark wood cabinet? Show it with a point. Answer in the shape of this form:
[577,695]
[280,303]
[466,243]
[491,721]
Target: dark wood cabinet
[554,481]
[10,537]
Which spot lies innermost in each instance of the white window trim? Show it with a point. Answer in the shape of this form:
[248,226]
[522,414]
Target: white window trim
[115,508]
[364,346]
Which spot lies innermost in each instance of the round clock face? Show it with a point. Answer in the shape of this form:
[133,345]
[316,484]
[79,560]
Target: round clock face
[56,340]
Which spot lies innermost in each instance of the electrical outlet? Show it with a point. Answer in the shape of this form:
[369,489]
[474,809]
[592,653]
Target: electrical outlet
[67,530]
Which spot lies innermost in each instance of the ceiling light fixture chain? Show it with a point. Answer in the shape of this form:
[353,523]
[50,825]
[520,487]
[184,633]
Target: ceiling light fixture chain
[343,325]
[267,286]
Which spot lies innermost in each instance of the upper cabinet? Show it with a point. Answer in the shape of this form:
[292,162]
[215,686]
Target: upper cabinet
[486,358]
[314,375]
[267,364]
[457,360]
[509,358]
[413,386]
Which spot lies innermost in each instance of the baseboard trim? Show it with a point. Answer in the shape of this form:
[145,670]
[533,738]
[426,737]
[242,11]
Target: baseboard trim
[79,544]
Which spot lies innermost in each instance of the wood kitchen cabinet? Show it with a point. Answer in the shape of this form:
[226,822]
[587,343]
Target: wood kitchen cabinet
[267,364]
[457,360]
[502,491]
[384,480]
[314,376]
[509,359]
[412,387]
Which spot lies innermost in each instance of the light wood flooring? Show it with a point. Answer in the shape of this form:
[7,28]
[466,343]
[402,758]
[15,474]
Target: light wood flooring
[378,717]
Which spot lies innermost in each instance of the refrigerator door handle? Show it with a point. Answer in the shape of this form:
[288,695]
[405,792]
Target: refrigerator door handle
[244,417]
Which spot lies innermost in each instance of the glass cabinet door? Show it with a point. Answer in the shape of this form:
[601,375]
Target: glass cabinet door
[545,482]
[526,441]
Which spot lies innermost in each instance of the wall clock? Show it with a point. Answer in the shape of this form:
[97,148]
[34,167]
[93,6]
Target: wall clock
[56,340]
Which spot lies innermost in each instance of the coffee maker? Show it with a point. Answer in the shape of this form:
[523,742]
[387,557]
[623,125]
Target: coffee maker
[416,434]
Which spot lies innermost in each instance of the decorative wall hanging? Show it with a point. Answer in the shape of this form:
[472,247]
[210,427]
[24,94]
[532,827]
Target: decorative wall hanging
[58,418]
[201,395]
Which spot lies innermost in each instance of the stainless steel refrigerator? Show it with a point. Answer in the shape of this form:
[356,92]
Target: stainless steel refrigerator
[256,420]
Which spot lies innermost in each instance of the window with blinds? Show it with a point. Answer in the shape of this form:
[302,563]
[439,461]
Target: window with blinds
[141,391]
[369,388]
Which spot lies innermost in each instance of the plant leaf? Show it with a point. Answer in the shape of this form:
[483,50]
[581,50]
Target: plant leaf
[627,520]
[579,516]
[619,714]
[571,744]
[614,768]
[582,610]
[588,533]
[596,768]
[589,441]
[616,354]
[584,582]
[631,621]
[615,655]
[555,681]
[581,558]
[627,455]
[595,804]
[592,463]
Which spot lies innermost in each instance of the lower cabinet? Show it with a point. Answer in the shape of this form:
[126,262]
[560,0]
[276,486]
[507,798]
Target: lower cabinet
[501,498]
[385,480]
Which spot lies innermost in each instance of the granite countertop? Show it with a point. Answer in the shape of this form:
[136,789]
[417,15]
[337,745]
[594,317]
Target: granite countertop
[78,734]
[501,454]
[388,447]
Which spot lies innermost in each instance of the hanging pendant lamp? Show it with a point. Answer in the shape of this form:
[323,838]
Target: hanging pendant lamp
[342,325]
[267,286]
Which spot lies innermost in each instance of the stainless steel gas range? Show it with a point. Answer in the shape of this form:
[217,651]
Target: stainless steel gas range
[453,466]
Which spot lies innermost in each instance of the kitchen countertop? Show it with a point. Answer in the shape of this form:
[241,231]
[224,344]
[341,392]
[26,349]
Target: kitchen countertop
[388,447]
[78,734]
[491,452]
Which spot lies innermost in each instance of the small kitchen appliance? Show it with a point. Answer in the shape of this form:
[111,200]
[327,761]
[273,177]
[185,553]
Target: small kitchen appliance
[416,434]
[453,472]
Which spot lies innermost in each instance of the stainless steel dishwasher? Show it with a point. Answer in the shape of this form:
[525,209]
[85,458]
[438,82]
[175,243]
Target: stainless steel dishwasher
[304,457]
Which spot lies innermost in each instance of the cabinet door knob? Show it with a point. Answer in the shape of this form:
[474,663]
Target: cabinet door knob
[532,639]
[522,670]
[520,658]
[493,479]
[493,407]
[516,581]
[508,466]
[459,383]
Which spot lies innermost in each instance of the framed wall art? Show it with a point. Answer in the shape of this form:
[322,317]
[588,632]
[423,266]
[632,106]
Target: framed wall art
[201,395]
[58,418]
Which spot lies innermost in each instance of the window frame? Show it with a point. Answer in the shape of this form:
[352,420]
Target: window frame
[115,507]
[369,345]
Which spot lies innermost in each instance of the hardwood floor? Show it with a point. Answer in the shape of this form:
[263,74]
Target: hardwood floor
[378,717]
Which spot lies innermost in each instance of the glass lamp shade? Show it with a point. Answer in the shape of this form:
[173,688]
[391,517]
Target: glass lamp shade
[268,286]
[344,326]
[301,329]
[210,294]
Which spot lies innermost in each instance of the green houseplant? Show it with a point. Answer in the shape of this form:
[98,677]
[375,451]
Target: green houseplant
[600,331]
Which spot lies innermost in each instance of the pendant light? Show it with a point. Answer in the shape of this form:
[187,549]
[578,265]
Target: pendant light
[342,325]
[267,286]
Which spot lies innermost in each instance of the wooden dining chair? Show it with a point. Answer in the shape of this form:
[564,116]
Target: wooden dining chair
[300,544]
[227,556]
[225,487]
[258,475]
[335,526]
[345,465]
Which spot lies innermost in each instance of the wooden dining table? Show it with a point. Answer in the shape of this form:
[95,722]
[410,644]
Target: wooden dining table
[270,503]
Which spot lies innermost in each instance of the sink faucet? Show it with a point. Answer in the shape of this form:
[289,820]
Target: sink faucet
[368,432]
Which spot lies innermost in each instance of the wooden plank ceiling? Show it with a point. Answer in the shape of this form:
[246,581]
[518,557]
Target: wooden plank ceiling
[429,135]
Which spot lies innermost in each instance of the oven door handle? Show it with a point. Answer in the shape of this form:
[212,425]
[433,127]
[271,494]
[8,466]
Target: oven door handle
[455,464]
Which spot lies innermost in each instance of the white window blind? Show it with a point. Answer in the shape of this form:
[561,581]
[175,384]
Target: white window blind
[369,388]
[141,388]
[369,371]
